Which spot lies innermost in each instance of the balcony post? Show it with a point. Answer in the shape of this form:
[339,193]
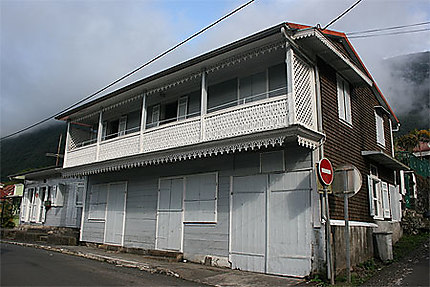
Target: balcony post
[142,121]
[99,134]
[203,105]
[290,84]
[67,144]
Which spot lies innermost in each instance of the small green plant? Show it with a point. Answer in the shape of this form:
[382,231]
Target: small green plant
[408,243]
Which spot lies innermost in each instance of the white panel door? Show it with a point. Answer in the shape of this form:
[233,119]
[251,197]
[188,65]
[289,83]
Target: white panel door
[71,206]
[114,229]
[248,223]
[170,214]
[289,238]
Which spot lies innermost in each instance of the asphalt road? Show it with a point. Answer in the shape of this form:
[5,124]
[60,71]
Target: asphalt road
[412,270]
[25,266]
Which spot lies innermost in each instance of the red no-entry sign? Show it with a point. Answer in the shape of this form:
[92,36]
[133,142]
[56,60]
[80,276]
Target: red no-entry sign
[325,171]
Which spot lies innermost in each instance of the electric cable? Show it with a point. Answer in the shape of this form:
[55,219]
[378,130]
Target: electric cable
[388,28]
[132,72]
[341,15]
[391,33]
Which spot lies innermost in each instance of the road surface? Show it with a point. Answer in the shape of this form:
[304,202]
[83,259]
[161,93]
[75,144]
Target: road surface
[26,266]
[412,270]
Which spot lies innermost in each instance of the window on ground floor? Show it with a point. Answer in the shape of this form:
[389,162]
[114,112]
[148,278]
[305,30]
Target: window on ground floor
[201,198]
[97,202]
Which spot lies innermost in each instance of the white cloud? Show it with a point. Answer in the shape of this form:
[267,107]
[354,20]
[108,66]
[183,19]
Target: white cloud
[54,53]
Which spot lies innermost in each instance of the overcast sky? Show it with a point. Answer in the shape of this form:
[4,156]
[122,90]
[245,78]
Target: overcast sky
[54,53]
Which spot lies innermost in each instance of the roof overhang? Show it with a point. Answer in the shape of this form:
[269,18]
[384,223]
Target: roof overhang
[384,160]
[38,173]
[317,43]
[304,137]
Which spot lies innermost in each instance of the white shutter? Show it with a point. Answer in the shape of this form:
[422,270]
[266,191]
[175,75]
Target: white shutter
[122,126]
[43,209]
[104,130]
[340,99]
[155,118]
[23,208]
[59,196]
[395,203]
[182,108]
[414,185]
[347,95]
[53,195]
[402,182]
[386,200]
[380,137]
[370,188]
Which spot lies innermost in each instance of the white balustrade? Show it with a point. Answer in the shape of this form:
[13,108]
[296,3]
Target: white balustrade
[80,156]
[172,135]
[259,116]
[119,147]
[250,118]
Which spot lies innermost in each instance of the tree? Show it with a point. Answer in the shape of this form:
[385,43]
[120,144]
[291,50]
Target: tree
[411,140]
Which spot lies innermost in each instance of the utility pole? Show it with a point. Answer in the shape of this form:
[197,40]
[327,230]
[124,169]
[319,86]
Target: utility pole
[57,155]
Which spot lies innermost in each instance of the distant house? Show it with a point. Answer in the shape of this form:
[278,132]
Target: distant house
[12,195]
[50,200]
[422,151]
[215,157]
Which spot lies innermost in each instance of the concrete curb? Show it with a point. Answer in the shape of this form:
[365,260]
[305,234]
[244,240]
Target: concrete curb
[102,258]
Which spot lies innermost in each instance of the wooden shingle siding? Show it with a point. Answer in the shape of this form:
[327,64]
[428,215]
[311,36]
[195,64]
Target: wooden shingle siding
[345,143]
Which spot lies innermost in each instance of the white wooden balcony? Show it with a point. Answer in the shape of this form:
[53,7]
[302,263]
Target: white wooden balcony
[254,116]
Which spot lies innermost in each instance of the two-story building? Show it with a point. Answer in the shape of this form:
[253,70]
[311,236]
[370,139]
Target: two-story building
[215,157]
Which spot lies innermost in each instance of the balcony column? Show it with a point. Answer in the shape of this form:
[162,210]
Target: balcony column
[67,145]
[99,134]
[142,122]
[290,84]
[203,105]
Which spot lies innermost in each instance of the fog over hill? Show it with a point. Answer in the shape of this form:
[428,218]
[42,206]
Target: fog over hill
[408,82]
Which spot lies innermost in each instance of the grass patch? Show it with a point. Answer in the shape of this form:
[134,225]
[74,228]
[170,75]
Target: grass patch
[408,243]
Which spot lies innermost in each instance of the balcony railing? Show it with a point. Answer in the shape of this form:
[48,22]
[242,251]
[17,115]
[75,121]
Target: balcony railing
[258,113]
[251,117]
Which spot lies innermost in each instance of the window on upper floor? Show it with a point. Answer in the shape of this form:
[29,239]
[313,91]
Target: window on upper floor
[380,134]
[123,125]
[344,100]
[169,112]
[248,87]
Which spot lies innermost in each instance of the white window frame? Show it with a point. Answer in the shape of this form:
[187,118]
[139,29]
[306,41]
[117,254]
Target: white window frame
[104,130]
[183,101]
[122,125]
[155,116]
[375,197]
[380,131]
[344,100]
[57,195]
[386,205]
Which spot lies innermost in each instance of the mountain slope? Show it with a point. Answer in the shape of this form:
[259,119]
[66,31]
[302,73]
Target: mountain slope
[28,151]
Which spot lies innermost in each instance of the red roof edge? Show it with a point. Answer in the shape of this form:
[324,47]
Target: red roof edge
[343,35]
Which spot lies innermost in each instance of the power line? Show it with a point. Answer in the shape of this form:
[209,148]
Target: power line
[341,15]
[388,28]
[392,33]
[132,72]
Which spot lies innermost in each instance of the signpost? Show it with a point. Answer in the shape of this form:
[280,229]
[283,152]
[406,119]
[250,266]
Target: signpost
[346,184]
[325,176]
